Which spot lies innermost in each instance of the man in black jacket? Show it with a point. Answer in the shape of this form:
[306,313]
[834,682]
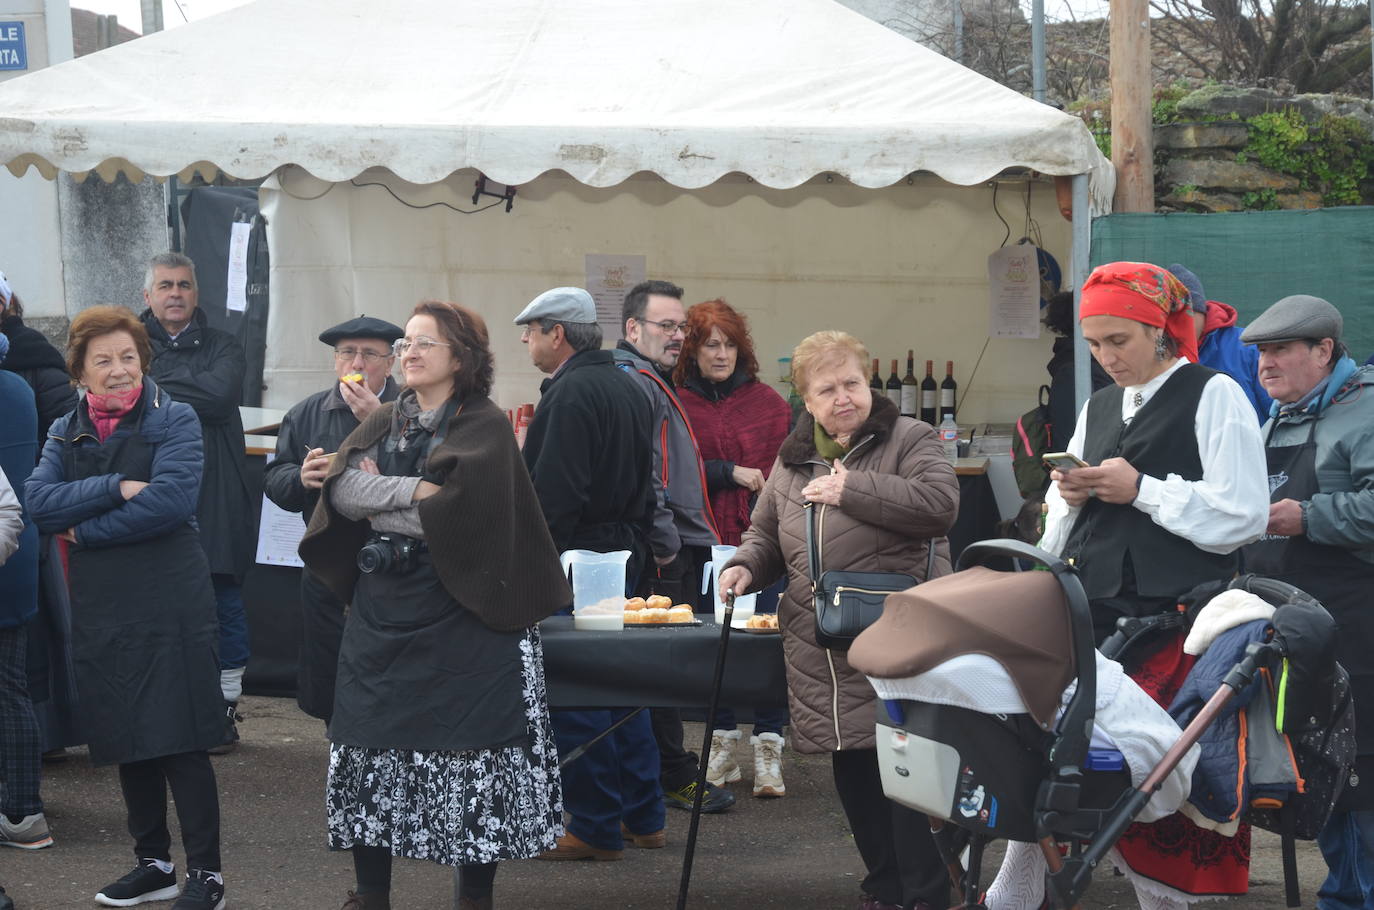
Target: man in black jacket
[204,368]
[589,454]
[310,434]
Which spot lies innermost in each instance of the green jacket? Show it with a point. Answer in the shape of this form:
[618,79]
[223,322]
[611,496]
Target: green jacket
[1342,514]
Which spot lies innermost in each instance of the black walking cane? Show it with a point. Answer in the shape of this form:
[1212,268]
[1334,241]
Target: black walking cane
[706,751]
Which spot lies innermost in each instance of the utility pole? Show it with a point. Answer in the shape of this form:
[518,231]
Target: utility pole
[1132,95]
[1038,50]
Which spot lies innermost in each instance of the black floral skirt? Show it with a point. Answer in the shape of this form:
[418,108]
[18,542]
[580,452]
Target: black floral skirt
[455,808]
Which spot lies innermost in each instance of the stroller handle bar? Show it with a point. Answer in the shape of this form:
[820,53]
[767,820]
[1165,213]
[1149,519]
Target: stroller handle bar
[1076,727]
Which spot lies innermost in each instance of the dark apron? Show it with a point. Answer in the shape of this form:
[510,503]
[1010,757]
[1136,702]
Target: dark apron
[144,632]
[322,623]
[1341,581]
[417,671]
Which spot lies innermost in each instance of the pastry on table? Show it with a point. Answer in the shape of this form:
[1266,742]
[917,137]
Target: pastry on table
[633,604]
[658,601]
[655,614]
[681,613]
[762,621]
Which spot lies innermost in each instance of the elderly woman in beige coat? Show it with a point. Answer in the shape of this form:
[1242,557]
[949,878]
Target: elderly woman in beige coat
[884,493]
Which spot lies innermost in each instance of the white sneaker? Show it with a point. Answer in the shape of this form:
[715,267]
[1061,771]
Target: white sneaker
[768,765]
[722,768]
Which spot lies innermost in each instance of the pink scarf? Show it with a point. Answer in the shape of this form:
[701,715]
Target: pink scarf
[106,410]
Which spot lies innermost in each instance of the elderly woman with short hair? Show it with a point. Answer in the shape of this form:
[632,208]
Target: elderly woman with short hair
[119,479]
[885,494]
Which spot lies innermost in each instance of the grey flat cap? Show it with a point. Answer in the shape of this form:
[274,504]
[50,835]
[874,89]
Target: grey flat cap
[1299,316]
[560,305]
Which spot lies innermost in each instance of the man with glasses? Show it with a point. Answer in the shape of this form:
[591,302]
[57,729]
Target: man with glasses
[310,434]
[654,323]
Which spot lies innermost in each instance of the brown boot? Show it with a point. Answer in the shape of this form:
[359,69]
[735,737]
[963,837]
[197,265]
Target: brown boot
[379,901]
[572,847]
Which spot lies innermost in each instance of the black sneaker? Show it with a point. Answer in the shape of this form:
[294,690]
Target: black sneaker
[231,730]
[145,883]
[714,799]
[204,891]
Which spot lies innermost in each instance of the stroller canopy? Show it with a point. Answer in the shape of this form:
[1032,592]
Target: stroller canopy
[1019,619]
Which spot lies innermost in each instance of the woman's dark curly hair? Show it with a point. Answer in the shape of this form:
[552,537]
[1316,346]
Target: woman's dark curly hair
[471,346]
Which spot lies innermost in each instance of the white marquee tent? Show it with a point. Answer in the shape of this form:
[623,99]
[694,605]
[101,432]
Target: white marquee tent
[789,155]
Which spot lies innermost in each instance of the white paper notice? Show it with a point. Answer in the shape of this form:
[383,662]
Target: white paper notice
[609,279]
[1014,293]
[236,299]
[279,534]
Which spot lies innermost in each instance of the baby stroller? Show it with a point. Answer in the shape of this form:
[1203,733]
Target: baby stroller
[1023,766]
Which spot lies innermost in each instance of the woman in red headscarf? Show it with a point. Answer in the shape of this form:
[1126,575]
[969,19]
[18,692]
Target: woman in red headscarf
[1176,476]
[1175,484]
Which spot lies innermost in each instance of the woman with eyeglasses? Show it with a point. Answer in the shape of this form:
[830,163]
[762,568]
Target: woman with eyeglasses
[310,433]
[429,528]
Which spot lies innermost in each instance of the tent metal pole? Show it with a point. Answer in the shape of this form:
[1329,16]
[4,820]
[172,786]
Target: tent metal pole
[1038,50]
[1082,247]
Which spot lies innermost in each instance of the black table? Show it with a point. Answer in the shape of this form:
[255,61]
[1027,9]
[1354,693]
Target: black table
[663,666]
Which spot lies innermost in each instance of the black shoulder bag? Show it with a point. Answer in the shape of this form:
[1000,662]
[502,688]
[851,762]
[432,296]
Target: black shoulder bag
[848,602]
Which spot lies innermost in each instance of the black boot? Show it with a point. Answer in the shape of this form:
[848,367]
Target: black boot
[231,732]
[5,902]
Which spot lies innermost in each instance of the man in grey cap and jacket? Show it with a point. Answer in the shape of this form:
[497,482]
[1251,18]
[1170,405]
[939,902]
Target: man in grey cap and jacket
[1319,443]
[311,432]
[589,455]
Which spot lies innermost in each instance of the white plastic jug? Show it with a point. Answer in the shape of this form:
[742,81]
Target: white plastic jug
[710,581]
[598,583]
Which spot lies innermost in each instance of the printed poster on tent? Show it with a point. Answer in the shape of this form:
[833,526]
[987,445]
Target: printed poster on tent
[1014,293]
[609,279]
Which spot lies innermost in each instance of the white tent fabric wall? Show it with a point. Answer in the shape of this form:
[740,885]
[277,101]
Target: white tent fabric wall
[900,267]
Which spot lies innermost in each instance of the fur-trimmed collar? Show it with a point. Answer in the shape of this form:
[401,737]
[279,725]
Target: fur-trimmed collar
[800,447]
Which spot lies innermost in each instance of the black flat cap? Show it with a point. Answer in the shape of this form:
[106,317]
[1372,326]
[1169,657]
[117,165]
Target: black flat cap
[1299,316]
[363,327]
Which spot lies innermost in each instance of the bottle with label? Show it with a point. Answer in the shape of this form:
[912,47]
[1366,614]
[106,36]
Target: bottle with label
[876,383]
[949,437]
[910,391]
[930,407]
[894,386]
[947,390]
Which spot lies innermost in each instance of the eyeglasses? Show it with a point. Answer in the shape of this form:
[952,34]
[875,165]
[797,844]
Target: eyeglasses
[421,344]
[368,356]
[668,327]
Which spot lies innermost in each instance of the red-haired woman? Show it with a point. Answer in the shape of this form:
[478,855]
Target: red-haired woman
[739,423]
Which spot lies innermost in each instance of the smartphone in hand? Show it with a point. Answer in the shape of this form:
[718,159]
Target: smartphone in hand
[1062,461]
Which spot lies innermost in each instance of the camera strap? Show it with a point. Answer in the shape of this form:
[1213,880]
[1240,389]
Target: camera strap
[394,462]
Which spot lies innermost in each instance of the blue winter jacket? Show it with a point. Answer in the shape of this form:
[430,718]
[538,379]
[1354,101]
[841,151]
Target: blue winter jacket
[18,445]
[1222,351]
[94,507]
[1219,792]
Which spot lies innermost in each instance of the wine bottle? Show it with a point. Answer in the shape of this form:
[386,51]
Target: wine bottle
[910,391]
[876,382]
[894,386]
[947,390]
[930,411]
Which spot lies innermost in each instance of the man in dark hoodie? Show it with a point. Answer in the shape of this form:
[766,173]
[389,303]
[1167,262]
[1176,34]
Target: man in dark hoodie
[655,323]
[1218,342]
[204,367]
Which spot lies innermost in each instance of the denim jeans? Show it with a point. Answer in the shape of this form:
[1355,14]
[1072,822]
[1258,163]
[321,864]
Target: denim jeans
[233,622]
[1347,845]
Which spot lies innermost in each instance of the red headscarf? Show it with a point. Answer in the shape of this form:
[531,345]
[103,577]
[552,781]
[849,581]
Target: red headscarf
[1145,293]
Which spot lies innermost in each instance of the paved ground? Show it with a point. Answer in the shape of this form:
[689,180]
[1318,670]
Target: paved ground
[793,853]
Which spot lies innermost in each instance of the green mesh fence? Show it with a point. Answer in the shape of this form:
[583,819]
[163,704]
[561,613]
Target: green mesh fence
[1251,259]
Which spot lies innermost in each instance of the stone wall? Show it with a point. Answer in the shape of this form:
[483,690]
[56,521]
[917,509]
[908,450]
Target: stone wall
[1199,161]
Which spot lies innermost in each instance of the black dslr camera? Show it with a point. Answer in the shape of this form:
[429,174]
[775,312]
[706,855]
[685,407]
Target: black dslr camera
[389,554]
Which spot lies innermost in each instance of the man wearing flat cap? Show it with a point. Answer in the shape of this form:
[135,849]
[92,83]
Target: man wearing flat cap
[589,454]
[1319,443]
[310,433]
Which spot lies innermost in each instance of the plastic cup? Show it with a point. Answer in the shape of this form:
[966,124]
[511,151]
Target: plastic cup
[710,581]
